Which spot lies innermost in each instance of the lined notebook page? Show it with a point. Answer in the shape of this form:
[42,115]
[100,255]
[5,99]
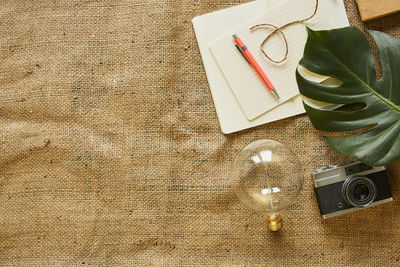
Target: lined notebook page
[209,27]
[250,92]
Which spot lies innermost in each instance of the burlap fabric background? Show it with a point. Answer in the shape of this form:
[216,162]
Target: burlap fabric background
[111,152]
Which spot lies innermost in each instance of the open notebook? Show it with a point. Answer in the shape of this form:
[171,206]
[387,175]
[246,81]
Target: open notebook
[249,90]
[210,26]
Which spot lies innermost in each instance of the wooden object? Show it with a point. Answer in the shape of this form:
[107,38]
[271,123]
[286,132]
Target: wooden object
[373,9]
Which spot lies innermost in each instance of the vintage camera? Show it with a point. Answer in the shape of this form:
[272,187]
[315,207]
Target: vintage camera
[350,187]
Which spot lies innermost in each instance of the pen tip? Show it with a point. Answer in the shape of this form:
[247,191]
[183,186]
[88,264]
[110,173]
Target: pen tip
[235,35]
[275,93]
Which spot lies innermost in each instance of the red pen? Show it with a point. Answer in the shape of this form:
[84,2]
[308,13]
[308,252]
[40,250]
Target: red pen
[253,63]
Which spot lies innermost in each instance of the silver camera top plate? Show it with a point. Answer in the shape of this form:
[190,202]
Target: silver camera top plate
[334,173]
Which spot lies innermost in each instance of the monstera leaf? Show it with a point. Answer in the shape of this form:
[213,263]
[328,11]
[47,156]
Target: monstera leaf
[346,55]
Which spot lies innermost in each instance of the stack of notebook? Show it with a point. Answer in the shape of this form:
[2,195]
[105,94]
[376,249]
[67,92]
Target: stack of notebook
[241,98]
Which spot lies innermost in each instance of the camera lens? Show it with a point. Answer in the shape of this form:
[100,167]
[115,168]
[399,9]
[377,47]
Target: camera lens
[359,191]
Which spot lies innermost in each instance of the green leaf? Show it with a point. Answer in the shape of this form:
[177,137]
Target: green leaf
[346,55]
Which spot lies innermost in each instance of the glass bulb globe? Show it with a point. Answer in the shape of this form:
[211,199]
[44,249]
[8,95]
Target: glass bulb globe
[267,177]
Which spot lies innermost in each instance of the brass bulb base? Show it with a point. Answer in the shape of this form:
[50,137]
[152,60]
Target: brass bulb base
[275,223]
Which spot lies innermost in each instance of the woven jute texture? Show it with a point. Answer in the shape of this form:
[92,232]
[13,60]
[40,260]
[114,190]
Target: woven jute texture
[111,152]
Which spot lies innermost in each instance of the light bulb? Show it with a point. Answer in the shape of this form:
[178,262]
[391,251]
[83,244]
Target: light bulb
[267,177]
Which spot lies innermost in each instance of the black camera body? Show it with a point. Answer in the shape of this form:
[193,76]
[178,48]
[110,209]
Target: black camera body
[350,187]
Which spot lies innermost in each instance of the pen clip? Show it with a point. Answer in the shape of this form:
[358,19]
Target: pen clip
[240,50]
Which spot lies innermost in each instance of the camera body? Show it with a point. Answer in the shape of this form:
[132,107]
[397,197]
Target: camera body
[347,188]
